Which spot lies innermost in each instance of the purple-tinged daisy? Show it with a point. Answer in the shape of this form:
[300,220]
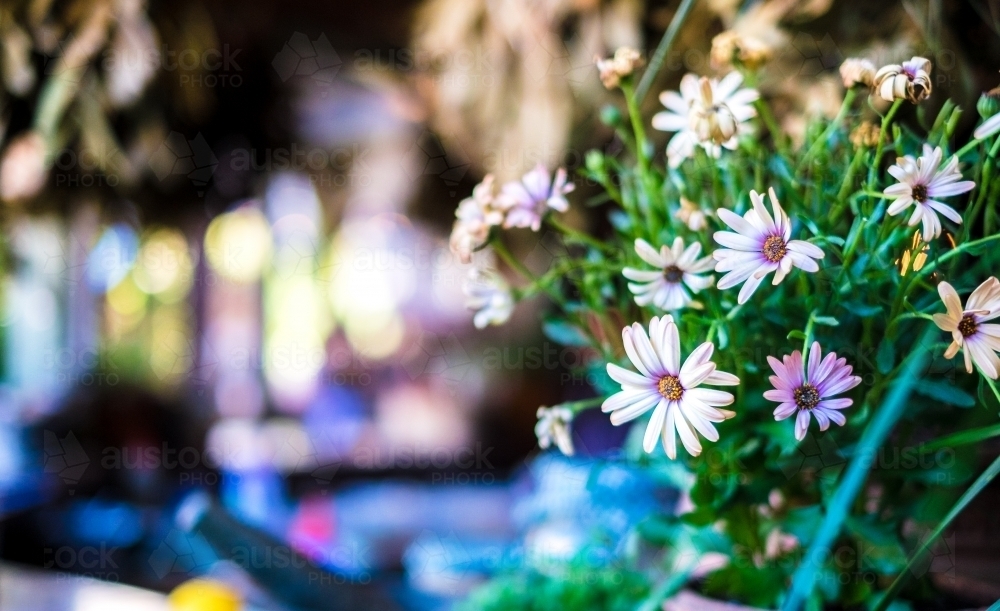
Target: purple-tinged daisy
[669,388]
[978,341]
[921,183]
[910,80]
[527,200]
[809,391]
[759,245]
[669,287]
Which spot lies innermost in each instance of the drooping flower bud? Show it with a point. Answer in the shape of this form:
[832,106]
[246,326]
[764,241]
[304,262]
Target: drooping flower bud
[909,81]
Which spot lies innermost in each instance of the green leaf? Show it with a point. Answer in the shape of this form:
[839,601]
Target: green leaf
[963,438]
[945,393]
[795,334]
[829,321]
[863,310]
[886,357]
[803,522]
[881,549]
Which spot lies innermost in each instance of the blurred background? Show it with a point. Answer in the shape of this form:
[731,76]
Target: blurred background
[234,350]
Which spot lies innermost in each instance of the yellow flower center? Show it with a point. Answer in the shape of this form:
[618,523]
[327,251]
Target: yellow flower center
[967,326]
[774,248]
[806,396]
[670,387]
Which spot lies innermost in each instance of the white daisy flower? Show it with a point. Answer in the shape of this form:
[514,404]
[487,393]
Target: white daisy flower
[553,427]
[970,333]
[760,245]
[707,112]
[526,201]
[489,295]
[669,287]
[669,388]
[921,182]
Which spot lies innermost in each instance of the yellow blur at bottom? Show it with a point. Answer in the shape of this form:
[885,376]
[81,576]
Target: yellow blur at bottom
[204,595]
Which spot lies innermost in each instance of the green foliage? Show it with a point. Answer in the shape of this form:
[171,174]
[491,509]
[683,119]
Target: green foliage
[575,586]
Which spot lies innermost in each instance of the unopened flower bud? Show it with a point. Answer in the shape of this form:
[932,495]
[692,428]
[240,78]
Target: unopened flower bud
[857,72]
[731,48]
[989,103]
[622,65]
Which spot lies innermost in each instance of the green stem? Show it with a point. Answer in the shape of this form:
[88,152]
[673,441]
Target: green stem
[662,49]
[642,148]
[764,111]
[932,265]
[536,283]
[834,125]
[641,144]
[578,406]
[971,144]
[808,333]
[578,236]
[845,186]
[883,131]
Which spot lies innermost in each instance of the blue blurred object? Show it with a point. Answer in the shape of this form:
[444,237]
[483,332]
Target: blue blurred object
[257,496]
[101,521]
[112,257]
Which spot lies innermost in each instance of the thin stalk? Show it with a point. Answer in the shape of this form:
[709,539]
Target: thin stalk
[880,149]
[932,265]
[578,406]
[971,144]
[536,283]
[578,236]
[662,49]
[845,186]
[834,125]
[764,111]
[808,333]
[641,149]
